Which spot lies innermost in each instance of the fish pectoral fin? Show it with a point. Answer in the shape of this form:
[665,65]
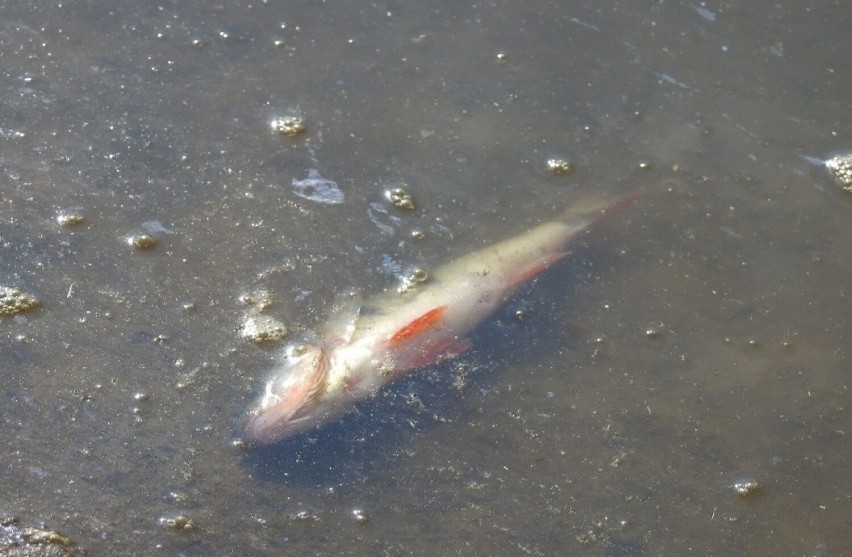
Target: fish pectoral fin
[341,319]
[438,351]
[521,275]
[456,347]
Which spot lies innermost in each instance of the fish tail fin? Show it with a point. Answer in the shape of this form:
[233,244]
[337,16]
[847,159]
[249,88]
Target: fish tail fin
[590,209]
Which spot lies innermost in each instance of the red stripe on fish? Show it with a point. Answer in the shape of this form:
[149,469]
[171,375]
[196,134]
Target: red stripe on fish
[425,322]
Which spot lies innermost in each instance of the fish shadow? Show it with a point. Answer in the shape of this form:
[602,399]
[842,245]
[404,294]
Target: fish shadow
[344,451]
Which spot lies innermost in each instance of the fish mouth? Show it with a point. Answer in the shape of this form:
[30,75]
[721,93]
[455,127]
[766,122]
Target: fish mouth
[259,427]
[251,430]
[265,426]
[292,400]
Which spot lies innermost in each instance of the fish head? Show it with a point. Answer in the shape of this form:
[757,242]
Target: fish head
[293,398]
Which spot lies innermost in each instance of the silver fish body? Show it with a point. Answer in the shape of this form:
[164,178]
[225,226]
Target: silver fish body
[363,349]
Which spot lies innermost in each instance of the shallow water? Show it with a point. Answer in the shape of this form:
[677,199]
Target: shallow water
[696,342]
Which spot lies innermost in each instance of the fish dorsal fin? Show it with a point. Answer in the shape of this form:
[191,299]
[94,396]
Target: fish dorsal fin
[341,319]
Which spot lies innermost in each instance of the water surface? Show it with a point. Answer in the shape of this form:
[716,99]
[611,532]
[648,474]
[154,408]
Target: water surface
[692,344]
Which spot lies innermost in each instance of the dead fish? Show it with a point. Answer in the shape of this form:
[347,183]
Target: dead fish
[364,348]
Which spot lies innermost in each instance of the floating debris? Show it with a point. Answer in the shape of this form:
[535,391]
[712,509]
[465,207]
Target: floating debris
[559,167]
[360,516]
[179,523]
[27,540]
[156,227]
[840,168]
[13,300]
[593,535]
[379,215]
[411,279]
[288,126]
[304,516]
[142,241]
[319,189]
[261,329]
[746,487]
[260,299]
[400,198]
[654,331]
[418,274]
[70,218]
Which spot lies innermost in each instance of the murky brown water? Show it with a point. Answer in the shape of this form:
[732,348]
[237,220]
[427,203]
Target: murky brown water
[694,344]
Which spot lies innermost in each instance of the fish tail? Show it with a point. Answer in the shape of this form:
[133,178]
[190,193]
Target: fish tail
[590,209]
